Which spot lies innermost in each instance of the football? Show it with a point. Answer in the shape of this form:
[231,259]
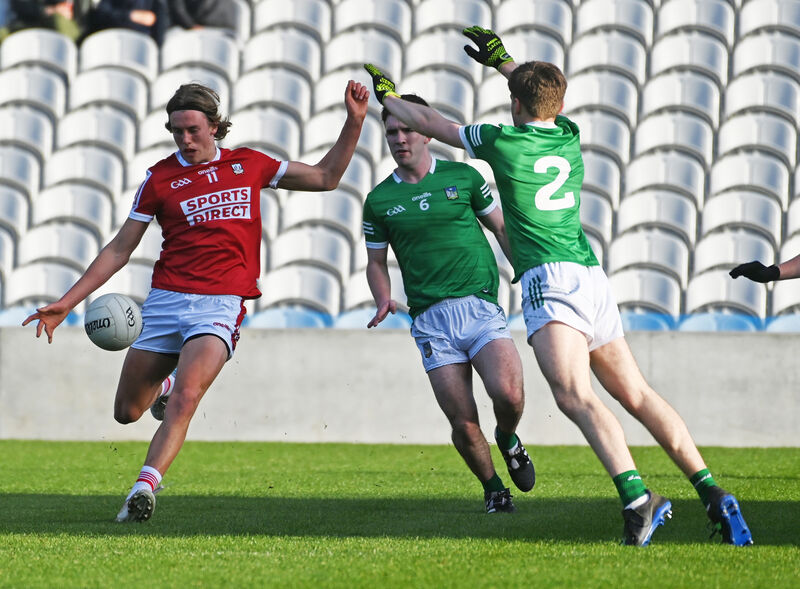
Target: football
[113,321]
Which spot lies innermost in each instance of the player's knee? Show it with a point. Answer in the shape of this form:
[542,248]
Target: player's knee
[126,413]
[465,429]
[569,402]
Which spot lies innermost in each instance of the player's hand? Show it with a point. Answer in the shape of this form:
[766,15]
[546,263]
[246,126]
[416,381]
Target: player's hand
[356,99]
[50,316]
[384,309]
[490,50]
[756,271]
[383,86]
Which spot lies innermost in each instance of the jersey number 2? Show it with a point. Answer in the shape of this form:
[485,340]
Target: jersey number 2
[545,199]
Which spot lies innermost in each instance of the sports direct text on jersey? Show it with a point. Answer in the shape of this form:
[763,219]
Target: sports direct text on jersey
[233,203]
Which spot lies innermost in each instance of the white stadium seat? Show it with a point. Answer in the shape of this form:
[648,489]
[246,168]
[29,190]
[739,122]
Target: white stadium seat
[667,170]
[604,90]
[714,17]
[20,169]
[355,48]
[679,131]
[44,47]
[269,129]
[8,248]
[785,298]
[149,248]
[281,88]
[760,15]
[693,50]
[166,83]
[446,91]
[137,166]
[646,288]
[726,249]
[357,177]
[761,131]
[38,283]
[650,248]
[659,208]
[442,50]
[605,132]
[124,48]
[553,17]
[100,125]
[360,256]
[14,211]
[90,164]
[633,17]
[35,86]
[392,17]
[153,133]
[751,171]
[304,285]
[610,50]
[120,88]
[207,47]
[312,16]
[270,214]
[456,14]
[75,203]
[27,127]
[776,51]
[286,48]
[740,208]
[682,90]
[793,220]
[133,279]
[596,215]
[358,295]
[716,290]
[601,175]
[323,129]
[337,209]
[65,243]
[764,91]
[316,246]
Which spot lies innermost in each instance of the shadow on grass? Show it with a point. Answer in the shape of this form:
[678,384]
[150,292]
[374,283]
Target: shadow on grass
[537,519]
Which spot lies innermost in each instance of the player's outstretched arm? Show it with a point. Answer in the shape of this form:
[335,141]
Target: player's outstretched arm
[110,259]
[423,119]
[490,50]
[326,173]
[758,272]
[380,285]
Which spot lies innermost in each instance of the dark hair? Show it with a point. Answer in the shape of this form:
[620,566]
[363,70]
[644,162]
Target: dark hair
[201,98]
[411,98]
[540,87]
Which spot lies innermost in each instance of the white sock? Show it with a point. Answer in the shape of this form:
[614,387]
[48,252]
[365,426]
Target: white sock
[149,478]
[637,502]
[167,385]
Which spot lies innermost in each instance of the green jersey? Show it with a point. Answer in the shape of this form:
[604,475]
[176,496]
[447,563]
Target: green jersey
[539,171]
[433,229]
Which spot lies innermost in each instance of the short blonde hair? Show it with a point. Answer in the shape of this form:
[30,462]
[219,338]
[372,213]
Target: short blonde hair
[540,87]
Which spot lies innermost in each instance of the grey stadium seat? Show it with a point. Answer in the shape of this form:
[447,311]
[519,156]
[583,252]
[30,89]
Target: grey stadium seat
[714,17]
[646,288]
[659,208]
[682,90]
[751,171]
[315,246]
[43,47]
[716,291]
[299,284]
[27,127]
[290,48]
[761,131]
[679,131]
[693,50]
[668,170]
[742,208]
[553,17]
[629,16]
[604,90]
[650,248]
[312,16]
[611,50]
[456,14]
[726,249]
[393,17]
[123,48]
[336,209]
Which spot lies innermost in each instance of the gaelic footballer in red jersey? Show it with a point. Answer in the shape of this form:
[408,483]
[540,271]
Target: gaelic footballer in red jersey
[207,201]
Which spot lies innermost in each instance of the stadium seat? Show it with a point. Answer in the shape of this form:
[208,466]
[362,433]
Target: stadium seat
[442,50]
[328,91]
[270,214]
[286,48]
[694,51]
[280,88]
[206,47]
[604,132]
[455,14]
[123,202]
[77,204]
[664,209]
[598,247]
[682,90]
[597,216]
[119,88]
[647,289]
[713,17]
[650,248]
[100,125]
[726,249]
[322,130]
[39,283]
[123,48]
[764,91]
[90,164]
[391,17]
[357,293]
[743,209]
[20,169]
[153,133]
[719,320]
[8,248]
[777,51]
[133,279]
[65,243]
[338,209]
[789,323]
[149,249]
[36,87]
[678,131]
[166,83]
[632,17]
[761,131]
[552,17]
[715,290]
[785,298]
[789,249]
[603,90]
[359,318]
[268,129]
[360,256]
[769,15]
[601,175]
[357,177]
[27,127]
[312,245]
[311,16]
[793,219]
[667,170]
[291,316]
[643,320]
[610,51]
[751,171]
[14,211]
[446,91]
[243,19]
[40,47]
[144,159]
[355,48]
[298,284]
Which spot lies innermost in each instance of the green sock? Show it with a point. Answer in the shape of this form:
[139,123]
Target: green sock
[505,441]
[703,481]
[493,484]
[629,486]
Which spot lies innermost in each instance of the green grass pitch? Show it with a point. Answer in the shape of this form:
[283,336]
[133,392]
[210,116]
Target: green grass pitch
[340,515]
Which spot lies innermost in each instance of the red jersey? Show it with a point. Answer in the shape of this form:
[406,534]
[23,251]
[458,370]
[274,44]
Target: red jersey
[210,217]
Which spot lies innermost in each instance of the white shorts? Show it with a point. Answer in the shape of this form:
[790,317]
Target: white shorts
[171,318]
[579,296]
[452,331]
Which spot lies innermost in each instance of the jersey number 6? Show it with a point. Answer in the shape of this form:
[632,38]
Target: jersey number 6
[545,200]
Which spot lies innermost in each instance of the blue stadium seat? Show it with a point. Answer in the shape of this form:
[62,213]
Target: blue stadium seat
[633,320]
[289,317]
[784,324]
[358,319]
[718,321]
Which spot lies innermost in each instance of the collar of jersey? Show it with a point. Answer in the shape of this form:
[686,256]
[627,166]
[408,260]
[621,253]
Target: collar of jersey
[399,180]
[542,124]
[186,164]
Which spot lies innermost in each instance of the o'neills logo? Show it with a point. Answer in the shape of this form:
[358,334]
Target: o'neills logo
[96,324]
[233,203]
